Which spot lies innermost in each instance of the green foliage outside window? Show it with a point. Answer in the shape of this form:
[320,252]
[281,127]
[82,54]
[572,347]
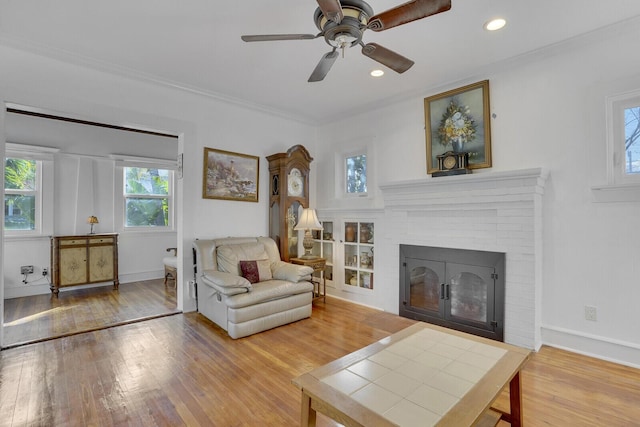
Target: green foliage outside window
[146,197]
[20,194]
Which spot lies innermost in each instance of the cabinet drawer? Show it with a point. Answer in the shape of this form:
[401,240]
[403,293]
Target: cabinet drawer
[101,241]
[72,242]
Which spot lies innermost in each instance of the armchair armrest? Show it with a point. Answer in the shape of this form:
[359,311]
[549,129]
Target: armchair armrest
[225,283]
[291,272]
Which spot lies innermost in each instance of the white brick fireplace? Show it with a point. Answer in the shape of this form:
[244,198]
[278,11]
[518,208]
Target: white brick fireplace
[495,211]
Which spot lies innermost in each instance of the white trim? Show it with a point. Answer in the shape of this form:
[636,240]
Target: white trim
[340,164]
[616,193]
[125,160]
[623,352]
[30,152]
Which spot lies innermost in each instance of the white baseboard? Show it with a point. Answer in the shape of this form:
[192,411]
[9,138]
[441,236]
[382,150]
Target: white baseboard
[32,290]
[617,351]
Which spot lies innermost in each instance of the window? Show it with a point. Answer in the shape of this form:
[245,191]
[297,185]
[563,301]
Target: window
[631,136]
[356,168]
[22,195]
[147,197]
[623,122]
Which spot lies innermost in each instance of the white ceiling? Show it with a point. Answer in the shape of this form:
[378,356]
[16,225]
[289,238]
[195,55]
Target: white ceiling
[196,45]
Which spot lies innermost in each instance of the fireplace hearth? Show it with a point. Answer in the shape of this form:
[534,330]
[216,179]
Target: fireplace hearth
[456,288]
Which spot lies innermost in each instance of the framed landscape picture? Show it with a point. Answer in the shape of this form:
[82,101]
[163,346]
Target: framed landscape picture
[459,121]
[230,176]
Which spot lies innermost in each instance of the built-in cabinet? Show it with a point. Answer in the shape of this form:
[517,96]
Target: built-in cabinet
[348,247]
[80,260]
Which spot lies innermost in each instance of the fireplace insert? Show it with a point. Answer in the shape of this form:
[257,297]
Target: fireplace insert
[456,288]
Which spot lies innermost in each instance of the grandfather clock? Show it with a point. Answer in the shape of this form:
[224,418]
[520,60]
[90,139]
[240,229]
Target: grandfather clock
[288,195]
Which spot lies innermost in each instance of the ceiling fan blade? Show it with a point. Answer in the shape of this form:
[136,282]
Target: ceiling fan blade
[331,9]
[276,37]
[323,66]
[407,12]
[395,61]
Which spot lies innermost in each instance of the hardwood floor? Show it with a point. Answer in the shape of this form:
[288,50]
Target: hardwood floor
[41,317]
[184,370]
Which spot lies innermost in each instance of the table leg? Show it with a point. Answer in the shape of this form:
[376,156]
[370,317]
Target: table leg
[308,413]
[515,400]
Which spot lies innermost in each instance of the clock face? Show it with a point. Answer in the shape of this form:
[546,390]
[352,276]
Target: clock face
[449,162]
[295,184]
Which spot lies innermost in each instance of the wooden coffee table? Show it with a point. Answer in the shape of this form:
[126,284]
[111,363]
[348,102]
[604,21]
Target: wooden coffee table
[423,375]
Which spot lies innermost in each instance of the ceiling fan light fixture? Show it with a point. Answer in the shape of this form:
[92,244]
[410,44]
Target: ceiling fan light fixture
[377,73]
[495,24]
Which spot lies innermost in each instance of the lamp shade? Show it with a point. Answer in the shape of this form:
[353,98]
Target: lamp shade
[92,220]
[308,220]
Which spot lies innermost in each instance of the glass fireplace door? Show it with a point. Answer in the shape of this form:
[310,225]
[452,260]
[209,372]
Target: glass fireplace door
[466,296]
[425,280]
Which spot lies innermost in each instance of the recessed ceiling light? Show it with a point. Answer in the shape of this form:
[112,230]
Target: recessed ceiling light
[377,73]
[495,24]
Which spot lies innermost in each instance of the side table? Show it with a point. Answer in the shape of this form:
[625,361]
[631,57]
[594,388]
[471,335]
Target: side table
[318,265]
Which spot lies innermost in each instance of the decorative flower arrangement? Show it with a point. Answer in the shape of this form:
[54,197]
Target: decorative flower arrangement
[456,124]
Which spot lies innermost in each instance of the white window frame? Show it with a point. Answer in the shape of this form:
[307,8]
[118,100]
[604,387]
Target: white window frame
[123,162]
[616,153]
[44,159]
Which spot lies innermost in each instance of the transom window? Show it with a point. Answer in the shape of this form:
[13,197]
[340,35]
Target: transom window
[147,197]
[22,195]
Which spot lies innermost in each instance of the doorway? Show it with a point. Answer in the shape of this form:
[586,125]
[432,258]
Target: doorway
[82,153]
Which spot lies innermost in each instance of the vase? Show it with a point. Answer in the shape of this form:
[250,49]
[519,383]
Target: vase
[364,234]
[350,233]
[457,145]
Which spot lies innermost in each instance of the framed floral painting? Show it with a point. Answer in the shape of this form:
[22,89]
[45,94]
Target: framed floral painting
[230,176]
[459,121]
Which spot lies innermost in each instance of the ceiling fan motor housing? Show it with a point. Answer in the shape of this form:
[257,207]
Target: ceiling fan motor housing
[348,32]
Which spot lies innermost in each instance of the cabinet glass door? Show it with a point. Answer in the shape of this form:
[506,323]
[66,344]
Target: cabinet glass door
[358,254]
[323,248]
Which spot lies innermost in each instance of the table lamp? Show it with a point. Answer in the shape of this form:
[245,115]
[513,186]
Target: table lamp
[92,220]
[308,221]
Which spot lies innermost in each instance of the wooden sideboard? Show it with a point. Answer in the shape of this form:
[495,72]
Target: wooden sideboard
[84,259]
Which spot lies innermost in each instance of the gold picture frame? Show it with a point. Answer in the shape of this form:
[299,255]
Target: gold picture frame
[459,120]
[230,176]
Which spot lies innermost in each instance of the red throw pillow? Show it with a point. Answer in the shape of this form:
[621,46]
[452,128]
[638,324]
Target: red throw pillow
[250,271]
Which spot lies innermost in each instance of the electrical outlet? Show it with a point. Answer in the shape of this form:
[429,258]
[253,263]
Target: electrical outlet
[45,271]
[590,313]
[26,269]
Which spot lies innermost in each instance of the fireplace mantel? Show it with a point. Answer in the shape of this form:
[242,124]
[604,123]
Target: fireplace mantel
[492,211]
[476,186]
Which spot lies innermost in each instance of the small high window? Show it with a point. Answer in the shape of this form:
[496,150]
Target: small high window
[631,140]
[356,171]
[623,123]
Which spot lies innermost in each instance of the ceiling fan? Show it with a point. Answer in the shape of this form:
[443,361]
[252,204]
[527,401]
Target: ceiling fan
[343,22]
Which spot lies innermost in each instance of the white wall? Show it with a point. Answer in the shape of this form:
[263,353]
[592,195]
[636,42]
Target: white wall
[199,120]
[549,112]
